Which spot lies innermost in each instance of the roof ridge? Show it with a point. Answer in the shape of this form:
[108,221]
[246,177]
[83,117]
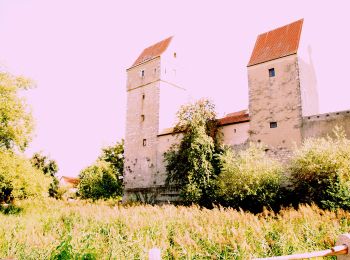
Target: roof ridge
[152,51]
[277,43]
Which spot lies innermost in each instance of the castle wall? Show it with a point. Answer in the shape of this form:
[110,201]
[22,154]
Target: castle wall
[164,144]
[323,125]
[235,134]
[275,99]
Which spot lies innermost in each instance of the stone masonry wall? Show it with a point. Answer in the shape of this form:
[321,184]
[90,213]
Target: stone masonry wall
[275,99]
[323,124]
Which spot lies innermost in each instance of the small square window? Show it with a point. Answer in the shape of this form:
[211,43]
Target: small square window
[144,142]
[273,124]
[272,72]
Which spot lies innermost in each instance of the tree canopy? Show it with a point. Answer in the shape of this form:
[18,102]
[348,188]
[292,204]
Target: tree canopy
[103,179]
[16,122]
[191,164]
[49,168]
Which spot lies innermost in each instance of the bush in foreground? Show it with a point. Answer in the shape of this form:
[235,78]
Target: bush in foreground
[250,180]
[320,172]
[19,179]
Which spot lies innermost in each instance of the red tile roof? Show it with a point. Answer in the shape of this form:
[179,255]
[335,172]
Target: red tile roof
[231,118]
[277,43]
[153,51]
[71,180]
[234,118]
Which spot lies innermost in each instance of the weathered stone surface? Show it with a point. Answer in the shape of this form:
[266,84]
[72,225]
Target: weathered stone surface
[323,125]
[275,99]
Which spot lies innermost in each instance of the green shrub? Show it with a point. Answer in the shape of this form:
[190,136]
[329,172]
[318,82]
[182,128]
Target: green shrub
[99,182]
[49,168]
[250,180]
[19,179]
[191,164]
[320,171]
[5,190]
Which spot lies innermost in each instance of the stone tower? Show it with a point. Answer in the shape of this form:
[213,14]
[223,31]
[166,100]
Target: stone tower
[275,102]
[153,97]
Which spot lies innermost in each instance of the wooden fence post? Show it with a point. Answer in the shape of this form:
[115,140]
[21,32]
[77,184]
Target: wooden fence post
[344,239]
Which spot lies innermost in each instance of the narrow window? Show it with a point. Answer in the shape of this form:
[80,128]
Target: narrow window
[142,73]
[174,54]
[144,142]
[272,72]
[143,96]
[235,130]
[142,118]
[273,124]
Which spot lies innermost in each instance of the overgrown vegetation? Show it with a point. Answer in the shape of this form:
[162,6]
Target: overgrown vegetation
[250,180]
[320,171]
[16,122]
[103,179]
[18,178]
[191,164]
[55,229]
[49,168]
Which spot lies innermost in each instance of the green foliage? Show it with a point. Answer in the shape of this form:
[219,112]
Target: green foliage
[45,164]
[56,229]
[49,168]
[320,171]
[250,180]
[99,182]
[191,164]
[16,122]
[19,179]
[114,155]
[5,190]
[103,179]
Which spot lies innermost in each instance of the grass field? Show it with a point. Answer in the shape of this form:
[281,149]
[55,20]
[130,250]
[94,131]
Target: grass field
[80,230]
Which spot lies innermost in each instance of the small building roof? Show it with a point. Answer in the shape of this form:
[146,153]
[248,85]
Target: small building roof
[153,51]
[234,118]
[231,118]
[70,180]
[277,43]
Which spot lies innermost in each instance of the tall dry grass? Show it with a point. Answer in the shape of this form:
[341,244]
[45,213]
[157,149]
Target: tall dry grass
[81,230]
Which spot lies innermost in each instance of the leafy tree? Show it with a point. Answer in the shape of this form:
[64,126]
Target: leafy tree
[114,155]
[191,164]
[104,178]
[49,168]
[19,179]
[250,180]
[99,182]
[320,171]
[16,122]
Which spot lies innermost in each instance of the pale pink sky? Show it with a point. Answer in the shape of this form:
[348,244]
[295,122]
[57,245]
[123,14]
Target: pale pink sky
[77,52]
